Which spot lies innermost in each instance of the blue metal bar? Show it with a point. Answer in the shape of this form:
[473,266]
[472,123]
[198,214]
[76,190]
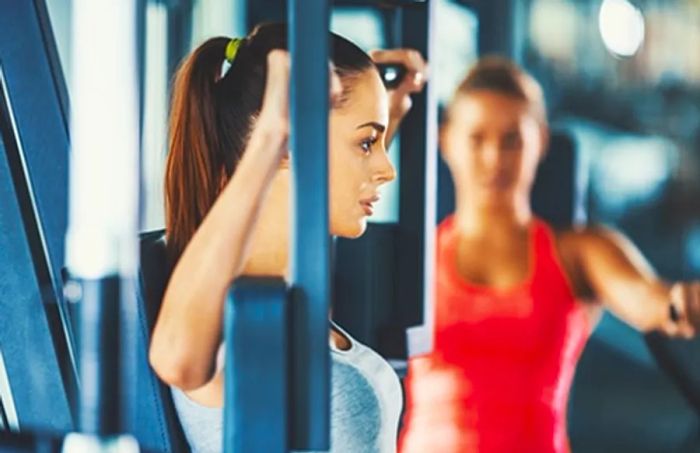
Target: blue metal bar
[388,301]
[35,364]
[256,387]
[101,242]
[41,442]
[310,251]
[179,33]
[54,61]
[417,205]
[33,219]
[258,11]
[501,27]
[100,409]
[130,343]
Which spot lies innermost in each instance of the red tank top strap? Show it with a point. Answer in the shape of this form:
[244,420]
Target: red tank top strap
[550,270]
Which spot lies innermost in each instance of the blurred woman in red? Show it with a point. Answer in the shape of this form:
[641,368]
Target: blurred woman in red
[516,301]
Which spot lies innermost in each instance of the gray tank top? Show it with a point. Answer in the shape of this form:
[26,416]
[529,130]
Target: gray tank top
[366,404]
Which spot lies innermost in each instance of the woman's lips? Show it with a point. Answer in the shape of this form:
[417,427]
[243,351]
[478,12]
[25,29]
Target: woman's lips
[368,204]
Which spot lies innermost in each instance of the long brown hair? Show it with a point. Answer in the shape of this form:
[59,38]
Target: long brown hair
[503,76]
[211,118]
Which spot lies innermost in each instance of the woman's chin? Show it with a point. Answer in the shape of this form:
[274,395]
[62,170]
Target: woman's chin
[351,230]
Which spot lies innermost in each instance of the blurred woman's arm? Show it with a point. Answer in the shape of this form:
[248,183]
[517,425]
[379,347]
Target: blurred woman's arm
[624,282]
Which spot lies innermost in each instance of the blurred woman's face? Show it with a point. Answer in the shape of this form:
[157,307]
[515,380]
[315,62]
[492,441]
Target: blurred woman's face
[492,144]
[358,162]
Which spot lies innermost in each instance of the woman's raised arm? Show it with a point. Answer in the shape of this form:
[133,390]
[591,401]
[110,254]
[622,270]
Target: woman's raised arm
[188,330]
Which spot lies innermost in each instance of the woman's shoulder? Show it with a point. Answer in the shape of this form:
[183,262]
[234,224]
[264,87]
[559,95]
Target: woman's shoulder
[358,355]
[578,239]
[574,245]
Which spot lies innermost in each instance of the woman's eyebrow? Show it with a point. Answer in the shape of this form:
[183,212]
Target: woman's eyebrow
[373,124]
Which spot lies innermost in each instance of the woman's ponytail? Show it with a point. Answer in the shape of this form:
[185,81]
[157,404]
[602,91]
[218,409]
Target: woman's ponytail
[193,175]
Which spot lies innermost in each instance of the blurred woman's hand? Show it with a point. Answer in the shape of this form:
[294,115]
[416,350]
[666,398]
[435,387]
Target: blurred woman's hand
[414,81]
[684,316]
[400,97]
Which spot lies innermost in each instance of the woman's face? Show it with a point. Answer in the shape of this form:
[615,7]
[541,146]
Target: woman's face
[493,144]
[358,161]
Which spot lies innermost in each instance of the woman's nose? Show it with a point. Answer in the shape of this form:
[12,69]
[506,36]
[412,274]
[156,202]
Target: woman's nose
[384,170]
[490,156]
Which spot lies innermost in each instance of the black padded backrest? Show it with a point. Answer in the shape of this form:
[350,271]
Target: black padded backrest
[155,424]
[556,196]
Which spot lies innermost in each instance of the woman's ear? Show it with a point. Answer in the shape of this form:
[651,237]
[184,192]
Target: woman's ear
[284,162]
[223,179]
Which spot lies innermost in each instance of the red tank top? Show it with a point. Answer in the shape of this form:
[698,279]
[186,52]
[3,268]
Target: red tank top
[499,377]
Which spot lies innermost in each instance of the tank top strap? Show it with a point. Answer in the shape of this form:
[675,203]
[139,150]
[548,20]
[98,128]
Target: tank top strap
[544,237]
[550,274]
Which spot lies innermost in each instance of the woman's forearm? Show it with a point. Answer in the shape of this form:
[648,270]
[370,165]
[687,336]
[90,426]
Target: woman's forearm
[623,280]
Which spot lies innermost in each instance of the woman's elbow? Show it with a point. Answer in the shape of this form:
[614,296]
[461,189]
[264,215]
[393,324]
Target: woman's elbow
[176,368]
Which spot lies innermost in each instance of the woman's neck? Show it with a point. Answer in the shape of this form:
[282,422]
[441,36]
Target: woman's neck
[474,217]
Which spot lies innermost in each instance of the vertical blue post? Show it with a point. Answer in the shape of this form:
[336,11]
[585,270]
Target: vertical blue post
[417,205]
[310,250]
[501,27]
[256,386]
[101,241]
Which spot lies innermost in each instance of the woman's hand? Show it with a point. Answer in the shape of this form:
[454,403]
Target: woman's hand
[684,311]
[414,81]
[273,121]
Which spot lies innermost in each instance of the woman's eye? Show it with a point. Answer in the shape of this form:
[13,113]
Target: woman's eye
[475,140]
[511,141]
[367,144]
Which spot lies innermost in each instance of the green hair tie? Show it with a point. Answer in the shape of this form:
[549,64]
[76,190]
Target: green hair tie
[232,49]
